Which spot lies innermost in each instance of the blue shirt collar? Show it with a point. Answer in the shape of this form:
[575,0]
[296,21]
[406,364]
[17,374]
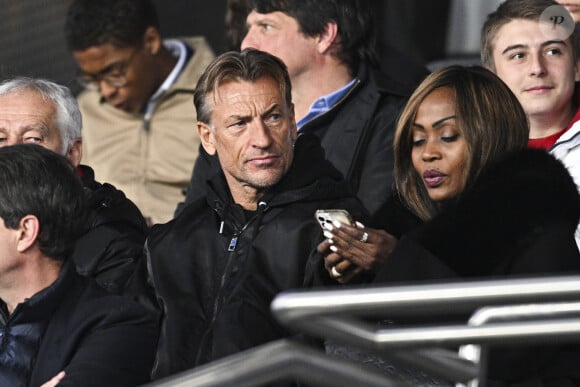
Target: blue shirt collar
[324,103]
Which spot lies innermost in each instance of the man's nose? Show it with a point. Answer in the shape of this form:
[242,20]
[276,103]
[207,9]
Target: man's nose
[537,65]
[261,135]
[106,90]
[249,40]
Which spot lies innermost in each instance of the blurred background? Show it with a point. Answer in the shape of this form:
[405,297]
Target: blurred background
[433,32]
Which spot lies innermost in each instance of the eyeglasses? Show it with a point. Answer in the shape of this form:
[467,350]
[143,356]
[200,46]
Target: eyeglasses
[113,75]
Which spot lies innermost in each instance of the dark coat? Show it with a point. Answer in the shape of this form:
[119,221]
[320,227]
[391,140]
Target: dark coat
[216,271]
[357,137]
[518,219]
[112,245]
[98,339]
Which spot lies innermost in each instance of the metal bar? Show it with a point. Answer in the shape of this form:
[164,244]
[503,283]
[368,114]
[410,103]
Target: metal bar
[488,314]
[362,335]
[323,314]
[424,299]
[511,312]
[276,361]
[439,362]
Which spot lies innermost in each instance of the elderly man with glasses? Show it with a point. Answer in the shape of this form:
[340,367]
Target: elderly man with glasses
[137,103]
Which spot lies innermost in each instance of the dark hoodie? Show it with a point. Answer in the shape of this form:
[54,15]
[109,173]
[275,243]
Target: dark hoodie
[216,267]
[111,247]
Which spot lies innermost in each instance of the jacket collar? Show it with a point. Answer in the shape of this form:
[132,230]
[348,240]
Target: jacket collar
[310,176]
[43,304]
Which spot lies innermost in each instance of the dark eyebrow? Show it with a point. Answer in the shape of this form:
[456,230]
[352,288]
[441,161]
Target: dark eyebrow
[434,124]
[544,44]
[553,41]
[237,117]
[270,110]
[514,47]
[113,66]
[442,120]
[103,71]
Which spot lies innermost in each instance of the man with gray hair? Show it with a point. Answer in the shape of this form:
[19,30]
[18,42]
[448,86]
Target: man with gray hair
[42,112]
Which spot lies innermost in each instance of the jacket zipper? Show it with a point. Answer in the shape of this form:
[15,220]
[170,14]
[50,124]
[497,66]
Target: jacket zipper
[262,207]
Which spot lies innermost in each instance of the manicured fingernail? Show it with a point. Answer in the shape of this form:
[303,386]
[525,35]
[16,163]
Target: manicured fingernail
[359,224]
[328,234]
[333,248]
[336,223]
[328,226]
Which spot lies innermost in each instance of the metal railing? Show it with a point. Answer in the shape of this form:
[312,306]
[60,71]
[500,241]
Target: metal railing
[485,315]
[277,361]
[338,315]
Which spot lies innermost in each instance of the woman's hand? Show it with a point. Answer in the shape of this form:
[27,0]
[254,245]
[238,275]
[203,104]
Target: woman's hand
[351,250]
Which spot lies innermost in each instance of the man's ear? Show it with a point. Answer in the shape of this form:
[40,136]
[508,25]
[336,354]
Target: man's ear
[28,230]
[152,40]
[75,152]
[207,136]
[577,68]
[328,37]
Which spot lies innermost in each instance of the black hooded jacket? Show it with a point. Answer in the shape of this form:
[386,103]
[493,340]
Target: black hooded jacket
[216,269]
[111,247]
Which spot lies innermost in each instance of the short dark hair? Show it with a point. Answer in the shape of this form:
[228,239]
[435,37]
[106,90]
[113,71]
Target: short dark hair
[248,65]
[121,23]
[36,181]
[235,22]
[356,28]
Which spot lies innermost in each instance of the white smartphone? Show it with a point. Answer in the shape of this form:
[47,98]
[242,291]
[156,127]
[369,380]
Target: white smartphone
[330,215]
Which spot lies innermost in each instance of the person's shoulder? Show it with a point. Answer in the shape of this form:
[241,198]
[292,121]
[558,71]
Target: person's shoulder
[107,204]
[94,305]
[530,183]
[398,66]
[88,98]
[199,44]
[379,91]
[191,216]
[535,166]
[571,137]
[202,55]
[525,169]
[388,84]
[171,246]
